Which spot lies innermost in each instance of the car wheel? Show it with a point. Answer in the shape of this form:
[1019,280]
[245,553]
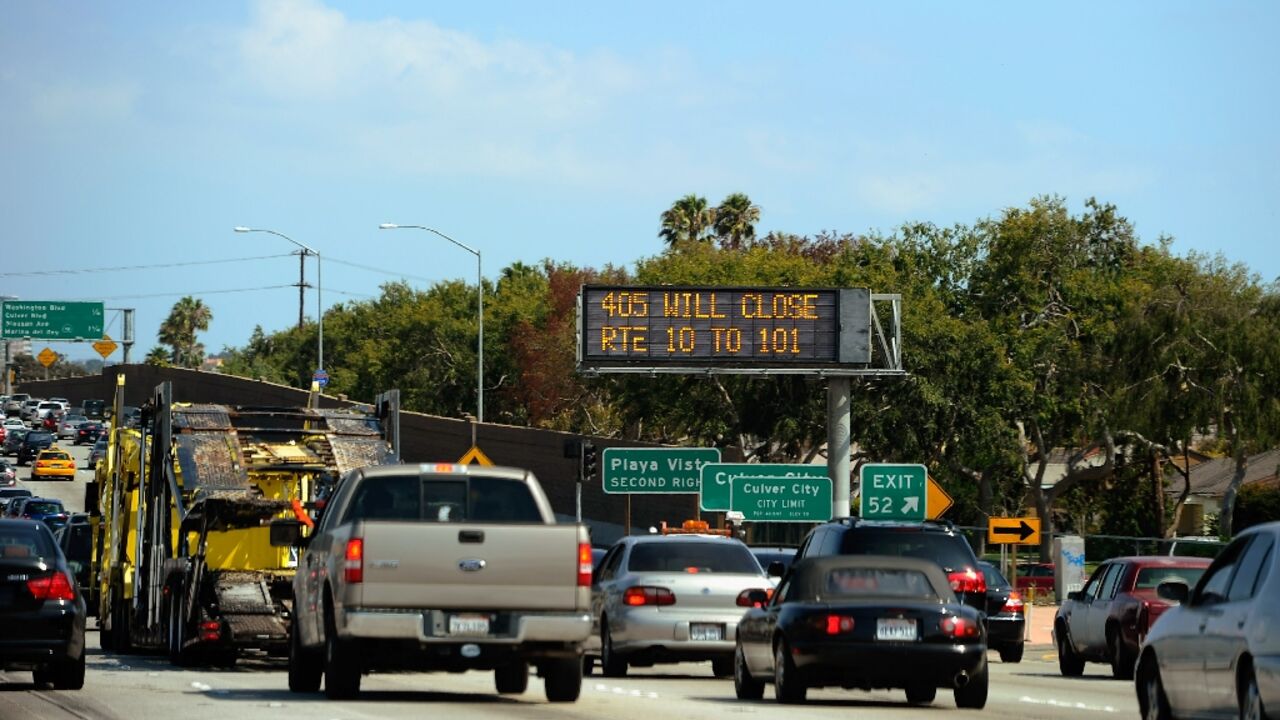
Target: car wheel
[563,679]
[974,693]
[512,679]
[341,671]
[610,664]
[722,667]
[68,674]
[1069,664]
[306,667]
[788,688]
[1012,654]
[588,665]
[1152,702]
[745,686]
[921,694]
[42,676]
[1250,699]
[1121,658]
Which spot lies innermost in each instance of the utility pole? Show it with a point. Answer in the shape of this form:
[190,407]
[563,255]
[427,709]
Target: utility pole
[302,283]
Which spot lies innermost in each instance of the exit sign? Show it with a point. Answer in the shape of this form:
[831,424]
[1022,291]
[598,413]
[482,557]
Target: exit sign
[893,492]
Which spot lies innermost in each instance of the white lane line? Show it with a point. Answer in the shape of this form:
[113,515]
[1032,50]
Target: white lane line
[600,687]
[1073,705]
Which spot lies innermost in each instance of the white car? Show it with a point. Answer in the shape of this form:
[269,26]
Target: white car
[13,423]
[69,425]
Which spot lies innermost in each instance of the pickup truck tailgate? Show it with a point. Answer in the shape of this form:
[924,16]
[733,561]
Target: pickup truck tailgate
[472,566]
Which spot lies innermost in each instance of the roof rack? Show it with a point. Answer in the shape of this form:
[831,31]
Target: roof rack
[854,521]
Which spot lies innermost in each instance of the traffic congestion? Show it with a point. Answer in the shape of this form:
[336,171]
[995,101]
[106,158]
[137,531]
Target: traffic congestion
[868,617]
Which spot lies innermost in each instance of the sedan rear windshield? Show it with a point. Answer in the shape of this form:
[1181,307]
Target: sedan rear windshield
[23,542]
[949,551]
[471,499]
[55,456]
[1150,577]
[34,437]
[701,557]
[43,508]
[880,582]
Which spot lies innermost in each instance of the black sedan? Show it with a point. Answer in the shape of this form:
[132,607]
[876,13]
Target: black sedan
[1006,615]
[41,609]
[87,432]
[32,444]
[862,621]
[13,439]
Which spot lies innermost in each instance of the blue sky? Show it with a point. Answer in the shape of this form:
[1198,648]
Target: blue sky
[140,133]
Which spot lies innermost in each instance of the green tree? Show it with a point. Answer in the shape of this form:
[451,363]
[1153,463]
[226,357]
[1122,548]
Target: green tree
[158,356]
[188,317]
[688,220]
[735,221]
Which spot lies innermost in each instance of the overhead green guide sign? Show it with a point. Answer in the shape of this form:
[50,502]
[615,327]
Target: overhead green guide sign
[655,470]
[893,492]
[51,320]
[782,499]
[717,487]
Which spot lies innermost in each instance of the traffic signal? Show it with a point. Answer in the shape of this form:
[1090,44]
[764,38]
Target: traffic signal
[588,460]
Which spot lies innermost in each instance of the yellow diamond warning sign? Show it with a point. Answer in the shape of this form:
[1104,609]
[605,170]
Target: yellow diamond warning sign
[47,357]
[105,346]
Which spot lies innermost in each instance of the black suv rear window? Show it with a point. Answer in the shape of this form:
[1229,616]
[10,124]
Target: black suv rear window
[952,552]
[717,556]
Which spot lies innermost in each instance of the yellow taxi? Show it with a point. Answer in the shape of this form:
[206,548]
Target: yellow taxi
[54,463]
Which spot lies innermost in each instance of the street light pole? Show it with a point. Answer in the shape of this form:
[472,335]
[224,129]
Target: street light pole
[319,285]
[479,306]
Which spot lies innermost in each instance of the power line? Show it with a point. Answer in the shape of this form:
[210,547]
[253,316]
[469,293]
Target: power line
[141,267]
[184,293]
[370,268]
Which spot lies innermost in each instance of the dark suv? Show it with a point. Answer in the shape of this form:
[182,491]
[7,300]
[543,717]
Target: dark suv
[936,541]
[32,444]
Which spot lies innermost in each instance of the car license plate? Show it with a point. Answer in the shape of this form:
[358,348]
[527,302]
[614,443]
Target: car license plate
[706,631]
[896,629]
[468,625]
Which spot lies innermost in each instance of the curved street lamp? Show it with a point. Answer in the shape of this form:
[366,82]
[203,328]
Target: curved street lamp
[319,285]
[479,312]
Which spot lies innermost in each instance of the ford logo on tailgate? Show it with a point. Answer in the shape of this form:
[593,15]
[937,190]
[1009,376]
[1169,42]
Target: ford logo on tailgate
[471,565]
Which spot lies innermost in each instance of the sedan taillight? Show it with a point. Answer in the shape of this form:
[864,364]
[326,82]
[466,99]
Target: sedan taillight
[744,597]
[959,627]
[52,587]
[648,595]
[1014,604]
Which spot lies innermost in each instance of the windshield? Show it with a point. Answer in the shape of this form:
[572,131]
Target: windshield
[992,576]
[880,582]
[54,456]
[949,551]
[1149,578]
[26,542]
[41,507]
[475,498]
[693,557]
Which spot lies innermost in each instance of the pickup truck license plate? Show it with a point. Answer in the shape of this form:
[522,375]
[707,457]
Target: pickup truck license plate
[468,625]
[895,629]
[706,631]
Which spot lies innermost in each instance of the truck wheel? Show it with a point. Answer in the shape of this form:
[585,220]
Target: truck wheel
[306,667]
[68,674]
[178,655]
[120,626]
[610,664]
[1012,654]
[563,679]
[512,679]
[341,668]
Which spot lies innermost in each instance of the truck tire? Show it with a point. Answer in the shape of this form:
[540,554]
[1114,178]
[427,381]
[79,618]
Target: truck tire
[341,664]
[563,679]
[177,635]
[120,626]
[306,667]
[512,679]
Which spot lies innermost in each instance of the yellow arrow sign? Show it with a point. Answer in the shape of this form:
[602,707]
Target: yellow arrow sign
[936,500]
[1013,531]
[475,456]
[47,357]
[105,346]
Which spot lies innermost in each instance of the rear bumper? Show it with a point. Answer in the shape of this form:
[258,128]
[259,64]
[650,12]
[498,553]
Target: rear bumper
[424,625]
[663,635]
[37,637]
[1005,631]
[822,663]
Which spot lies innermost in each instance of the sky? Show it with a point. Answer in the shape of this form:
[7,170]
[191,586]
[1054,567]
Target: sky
[137,135]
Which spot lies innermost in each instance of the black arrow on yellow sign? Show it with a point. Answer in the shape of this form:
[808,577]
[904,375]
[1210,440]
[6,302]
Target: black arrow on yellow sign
[1023,530]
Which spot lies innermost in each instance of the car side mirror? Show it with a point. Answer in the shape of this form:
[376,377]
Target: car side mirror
[1076,595]
[285,533]
[777,568]
[1173,591]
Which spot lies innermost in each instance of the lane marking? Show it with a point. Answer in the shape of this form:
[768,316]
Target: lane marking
[1072,705]
[614,690]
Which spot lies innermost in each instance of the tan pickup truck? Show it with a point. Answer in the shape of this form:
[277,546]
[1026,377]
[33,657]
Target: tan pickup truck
[441,567]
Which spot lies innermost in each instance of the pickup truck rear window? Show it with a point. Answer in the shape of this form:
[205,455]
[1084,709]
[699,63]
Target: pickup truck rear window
[410,498]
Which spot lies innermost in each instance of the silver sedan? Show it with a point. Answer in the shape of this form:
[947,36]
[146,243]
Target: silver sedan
[671,598]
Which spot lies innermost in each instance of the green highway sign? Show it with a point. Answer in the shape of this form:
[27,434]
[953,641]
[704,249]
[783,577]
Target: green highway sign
[782,499]
[717,479]
[655,470]
[51,320]
[893,492]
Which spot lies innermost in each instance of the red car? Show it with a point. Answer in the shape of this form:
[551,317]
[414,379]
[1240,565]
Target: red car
[1108,620]
[1038,576]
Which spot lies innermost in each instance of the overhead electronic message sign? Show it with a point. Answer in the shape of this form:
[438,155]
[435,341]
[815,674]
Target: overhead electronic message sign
[670,328]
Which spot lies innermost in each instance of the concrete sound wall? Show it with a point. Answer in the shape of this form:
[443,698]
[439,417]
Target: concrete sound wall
[424,438]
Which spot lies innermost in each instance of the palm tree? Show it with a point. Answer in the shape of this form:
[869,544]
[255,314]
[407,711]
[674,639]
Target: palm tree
[158,356]
[178,331]
[689,219]
[736,220]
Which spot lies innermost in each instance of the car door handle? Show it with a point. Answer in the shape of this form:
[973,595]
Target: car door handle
[470,536]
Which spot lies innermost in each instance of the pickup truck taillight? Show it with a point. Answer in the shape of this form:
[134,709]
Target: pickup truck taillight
[584,564]
[647,595]
[353,568]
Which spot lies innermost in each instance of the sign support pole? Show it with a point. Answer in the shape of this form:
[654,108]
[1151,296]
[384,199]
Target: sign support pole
[838,443]
[626,529]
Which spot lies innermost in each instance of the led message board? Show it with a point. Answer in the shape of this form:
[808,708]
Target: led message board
[663,328]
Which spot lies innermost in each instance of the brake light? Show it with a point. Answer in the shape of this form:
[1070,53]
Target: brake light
[646,595]
[584,564]
[353,568]
[1014,604]
[744,599]
[967,581]
[210,630]
[837,624]
[958,627]
[52,587]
